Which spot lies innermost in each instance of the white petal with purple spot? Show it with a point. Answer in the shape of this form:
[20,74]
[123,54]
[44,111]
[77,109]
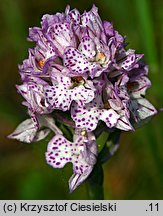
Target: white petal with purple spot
[131,60]
[110,117]
[88,116]
[77,62]
[139,86]
[62,93]
[74,16]
[87,47]
[61,35]
[61,151]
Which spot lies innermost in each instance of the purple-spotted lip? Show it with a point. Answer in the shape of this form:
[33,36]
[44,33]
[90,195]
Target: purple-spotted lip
[81,153]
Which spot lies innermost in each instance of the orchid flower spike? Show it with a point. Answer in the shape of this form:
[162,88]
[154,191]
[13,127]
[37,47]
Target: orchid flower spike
[80,74]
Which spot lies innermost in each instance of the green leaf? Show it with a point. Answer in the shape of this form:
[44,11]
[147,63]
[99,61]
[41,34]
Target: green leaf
[101,140]
[110,147]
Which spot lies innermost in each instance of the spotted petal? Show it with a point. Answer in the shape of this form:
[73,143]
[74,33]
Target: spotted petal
[87,47]
[138,86]
[61,36]
[74,16]
[77,62]
[44,49]
[60,96]
[81,153]
[50,20]
[93,21]
[88,116]
[34,95]
[131,60]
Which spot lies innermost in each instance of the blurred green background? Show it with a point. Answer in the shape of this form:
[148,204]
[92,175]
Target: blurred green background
[136,171]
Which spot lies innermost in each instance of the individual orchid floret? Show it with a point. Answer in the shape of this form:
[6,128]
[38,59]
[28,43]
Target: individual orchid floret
[33,92]
[92,20]
[111,33]
[89,115]
[44,50]
[61,36]
[33,66]
[128,60]
[119,102]
[40,56]
[34,95]
[91,57]
[141,109]
[73,16]
[82,153]
[65,90]
[126,97]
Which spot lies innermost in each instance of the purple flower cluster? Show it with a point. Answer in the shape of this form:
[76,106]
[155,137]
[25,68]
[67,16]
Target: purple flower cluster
[80,66]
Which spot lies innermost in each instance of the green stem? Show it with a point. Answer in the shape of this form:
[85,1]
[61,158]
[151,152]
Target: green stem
[95,183]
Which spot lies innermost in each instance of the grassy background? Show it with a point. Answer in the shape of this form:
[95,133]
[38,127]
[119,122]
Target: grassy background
[136,171]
